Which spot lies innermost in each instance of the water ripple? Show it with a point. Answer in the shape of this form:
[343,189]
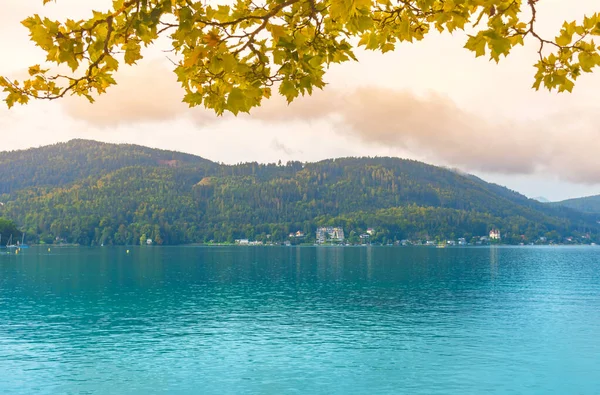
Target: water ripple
[301,320]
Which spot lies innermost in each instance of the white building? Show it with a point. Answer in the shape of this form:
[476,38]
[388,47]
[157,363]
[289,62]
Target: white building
[330,233]
[495,234]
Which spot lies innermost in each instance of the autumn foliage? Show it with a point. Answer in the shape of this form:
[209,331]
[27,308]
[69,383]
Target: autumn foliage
[231,57]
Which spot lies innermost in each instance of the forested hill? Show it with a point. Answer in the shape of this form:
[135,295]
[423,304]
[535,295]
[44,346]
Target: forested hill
[64,163]
[91,193]
[589,204]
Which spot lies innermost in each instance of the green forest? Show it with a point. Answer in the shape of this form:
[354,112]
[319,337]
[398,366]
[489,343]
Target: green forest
[588,204]
[92,193]
[7,229]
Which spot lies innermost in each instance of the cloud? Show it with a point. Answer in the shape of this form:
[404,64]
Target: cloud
[281,147]
[430,126]
[147,92]
[434,127]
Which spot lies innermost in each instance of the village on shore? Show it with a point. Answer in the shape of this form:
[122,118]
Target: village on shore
[335,236]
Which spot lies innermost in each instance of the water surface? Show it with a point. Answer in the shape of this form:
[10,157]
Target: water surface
[285,320]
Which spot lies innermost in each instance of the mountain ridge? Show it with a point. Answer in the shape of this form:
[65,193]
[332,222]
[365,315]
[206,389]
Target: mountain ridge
[84,157]
[100,193]
[586,204]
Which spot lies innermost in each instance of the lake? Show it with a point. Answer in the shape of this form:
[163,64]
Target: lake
[305,320]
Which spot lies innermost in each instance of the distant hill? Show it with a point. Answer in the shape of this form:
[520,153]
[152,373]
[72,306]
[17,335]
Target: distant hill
[64,163]
[95,193]
[589,204]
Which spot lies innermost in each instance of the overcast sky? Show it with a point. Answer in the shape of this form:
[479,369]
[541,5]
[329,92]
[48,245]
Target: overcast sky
[431,101]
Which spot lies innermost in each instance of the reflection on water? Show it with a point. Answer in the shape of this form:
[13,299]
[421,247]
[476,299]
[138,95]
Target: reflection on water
[300,320]
[493,261]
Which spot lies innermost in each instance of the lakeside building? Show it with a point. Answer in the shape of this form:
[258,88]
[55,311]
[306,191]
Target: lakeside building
[246,242]
[365,238]
[495,234]
[335,234]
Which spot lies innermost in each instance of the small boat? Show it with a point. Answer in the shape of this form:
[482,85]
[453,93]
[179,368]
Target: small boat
[22,245]
[9,245]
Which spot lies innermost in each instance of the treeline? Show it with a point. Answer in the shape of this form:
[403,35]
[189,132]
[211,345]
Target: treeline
[65,163]
[175,198]
[588,204]
[7,229]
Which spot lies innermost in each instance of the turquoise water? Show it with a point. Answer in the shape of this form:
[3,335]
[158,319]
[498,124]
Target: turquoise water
[271,320]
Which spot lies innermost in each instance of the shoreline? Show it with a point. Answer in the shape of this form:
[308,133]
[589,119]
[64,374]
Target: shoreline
[50,246]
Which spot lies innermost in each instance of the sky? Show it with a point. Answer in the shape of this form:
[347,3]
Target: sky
[431,101]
